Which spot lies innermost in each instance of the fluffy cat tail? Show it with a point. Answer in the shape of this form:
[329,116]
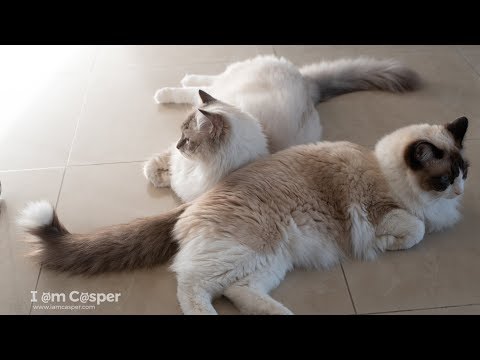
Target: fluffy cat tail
[332,78]
[141,243]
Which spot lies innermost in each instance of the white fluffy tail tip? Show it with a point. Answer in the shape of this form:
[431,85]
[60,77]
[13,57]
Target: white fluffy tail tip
[36,214]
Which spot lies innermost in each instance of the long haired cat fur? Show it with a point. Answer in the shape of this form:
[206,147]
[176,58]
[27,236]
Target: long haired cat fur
[264,105]
[240,238]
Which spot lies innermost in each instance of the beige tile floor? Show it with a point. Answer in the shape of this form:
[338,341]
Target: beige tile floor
[76,123]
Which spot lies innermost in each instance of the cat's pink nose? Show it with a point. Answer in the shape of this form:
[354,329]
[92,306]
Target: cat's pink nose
[458,192]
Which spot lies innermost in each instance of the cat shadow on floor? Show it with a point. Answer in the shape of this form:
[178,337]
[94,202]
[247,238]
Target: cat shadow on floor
[161,193]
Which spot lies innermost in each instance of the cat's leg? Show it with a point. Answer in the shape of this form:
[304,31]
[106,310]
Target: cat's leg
[198,80]
[187,95]
[250,294]
[194,299]
[252,298]
[157,169]
[399,230]
[255,302]
[205,267]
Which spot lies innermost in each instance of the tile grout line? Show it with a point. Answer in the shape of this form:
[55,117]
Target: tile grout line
[348,288]
[419,309]
[225,62]
[74,165]
[109,163]
[467,61]
[274,50]
[97,51]
[460,53]
[82,108]
[36,284]
[32,169]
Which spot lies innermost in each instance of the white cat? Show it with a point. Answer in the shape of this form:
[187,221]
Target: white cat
[265,93]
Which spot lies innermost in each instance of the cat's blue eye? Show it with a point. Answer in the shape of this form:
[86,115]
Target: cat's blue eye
[444,178]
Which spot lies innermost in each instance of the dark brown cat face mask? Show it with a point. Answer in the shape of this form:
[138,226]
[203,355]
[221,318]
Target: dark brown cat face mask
[440,169]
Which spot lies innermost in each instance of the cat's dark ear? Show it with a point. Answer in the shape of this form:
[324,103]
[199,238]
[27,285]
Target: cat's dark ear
[211,122]
[420,153]
[458,129]
[206,98]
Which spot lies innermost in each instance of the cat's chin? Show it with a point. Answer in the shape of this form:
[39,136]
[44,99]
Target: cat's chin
[435,197]
[186,156]
[453,197]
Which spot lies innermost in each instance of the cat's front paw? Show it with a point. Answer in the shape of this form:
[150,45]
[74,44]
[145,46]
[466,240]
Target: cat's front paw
[399,230]
[156,171]
[163,96]
[401,243]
